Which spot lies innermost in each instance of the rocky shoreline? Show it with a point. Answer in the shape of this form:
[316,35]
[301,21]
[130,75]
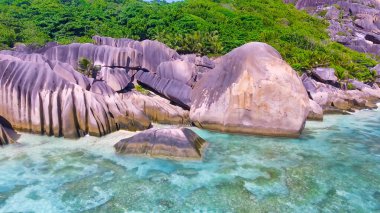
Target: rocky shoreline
[250,90]
[355,24]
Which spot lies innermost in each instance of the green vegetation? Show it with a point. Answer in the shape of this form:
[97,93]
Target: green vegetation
[211,27]
[87,67]
[350,86]
[141,89]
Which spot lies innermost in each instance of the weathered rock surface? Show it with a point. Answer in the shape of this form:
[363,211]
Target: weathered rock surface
[33,98]
[315,111]
[376,69]
[168,143]
[117,78]
[333,99]
[251,90]
[32,57]
[164,70]
[353,23]
[7,133]
[358,85]
[153,52]
[173,79]
[104,56]
[325,75]
[157,108]
[67,72]
[64,70]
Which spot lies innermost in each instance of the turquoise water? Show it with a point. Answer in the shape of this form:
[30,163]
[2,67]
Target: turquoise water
[333,167]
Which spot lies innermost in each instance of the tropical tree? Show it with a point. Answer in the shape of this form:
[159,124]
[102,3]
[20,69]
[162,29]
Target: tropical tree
[87,67]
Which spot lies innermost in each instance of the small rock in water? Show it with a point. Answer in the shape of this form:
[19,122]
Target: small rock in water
[7,134]
[174,143]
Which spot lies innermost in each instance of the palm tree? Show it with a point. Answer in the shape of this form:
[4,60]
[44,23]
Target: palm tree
[87,67]
[342,75]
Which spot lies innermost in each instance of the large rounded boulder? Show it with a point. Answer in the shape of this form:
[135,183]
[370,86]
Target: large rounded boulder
[252,91]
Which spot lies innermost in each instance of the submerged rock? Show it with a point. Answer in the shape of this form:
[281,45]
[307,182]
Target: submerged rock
[168,143]
[251,90]
[7,133]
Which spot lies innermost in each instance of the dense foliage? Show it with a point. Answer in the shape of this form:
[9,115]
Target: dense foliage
[211,27]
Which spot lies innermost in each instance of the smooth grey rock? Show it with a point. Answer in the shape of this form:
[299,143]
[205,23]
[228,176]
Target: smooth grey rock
[177,91]
[158,109]
[251,90]
[116,78]
[67,72]
[315,112]
[153,52]
[177,70]
[358,85]
[376,69]
[34,57]
[325,75]
[167,143]
[7,134]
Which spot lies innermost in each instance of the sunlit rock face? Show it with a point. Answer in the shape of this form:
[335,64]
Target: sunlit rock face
[117,78]
[34,98]
[163,69]
[167,143]
[158,109]
[105,56]
[251,90]
[153,52]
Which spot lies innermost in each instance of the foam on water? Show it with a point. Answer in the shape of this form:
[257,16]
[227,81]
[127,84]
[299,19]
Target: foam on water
[333,166]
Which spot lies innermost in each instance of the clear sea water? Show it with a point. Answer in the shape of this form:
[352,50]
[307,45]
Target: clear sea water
[333,167]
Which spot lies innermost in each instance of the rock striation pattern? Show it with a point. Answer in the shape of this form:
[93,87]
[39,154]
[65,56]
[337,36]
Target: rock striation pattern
[251,90]
[101,55]
[35,99]
[180,143]
[164,70]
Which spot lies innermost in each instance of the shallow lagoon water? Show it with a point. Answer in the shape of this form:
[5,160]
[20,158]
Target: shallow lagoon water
[333,167]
